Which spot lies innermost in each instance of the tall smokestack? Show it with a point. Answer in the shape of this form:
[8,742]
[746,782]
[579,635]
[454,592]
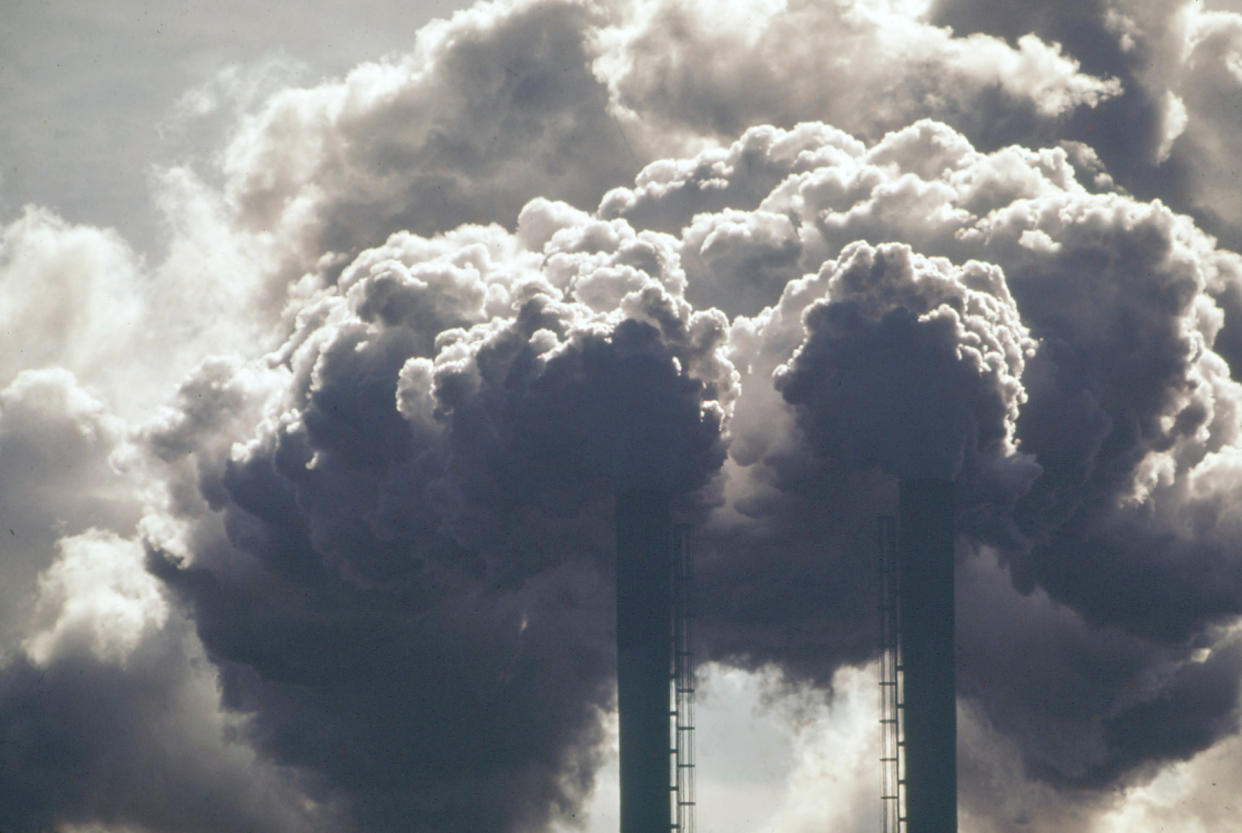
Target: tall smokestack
[925,541]
[644,609]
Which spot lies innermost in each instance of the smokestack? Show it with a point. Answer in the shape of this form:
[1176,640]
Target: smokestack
[644,608]
[925,541]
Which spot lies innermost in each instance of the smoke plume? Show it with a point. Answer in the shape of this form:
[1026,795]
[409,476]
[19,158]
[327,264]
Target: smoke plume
[343,560]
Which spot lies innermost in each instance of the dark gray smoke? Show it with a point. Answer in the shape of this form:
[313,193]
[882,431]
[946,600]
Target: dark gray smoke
[358,575]
[411,595]
[416,547]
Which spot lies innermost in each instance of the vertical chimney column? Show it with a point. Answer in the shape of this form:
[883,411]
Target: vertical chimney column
[644,616]
[925,541]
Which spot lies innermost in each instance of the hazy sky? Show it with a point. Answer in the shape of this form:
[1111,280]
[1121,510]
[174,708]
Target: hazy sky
[330,333]
[95,94]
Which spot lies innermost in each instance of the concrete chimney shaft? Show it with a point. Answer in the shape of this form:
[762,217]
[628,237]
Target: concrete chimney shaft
[644,643]
[925,529]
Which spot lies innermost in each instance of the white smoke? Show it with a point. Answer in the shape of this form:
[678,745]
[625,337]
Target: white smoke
[423,319]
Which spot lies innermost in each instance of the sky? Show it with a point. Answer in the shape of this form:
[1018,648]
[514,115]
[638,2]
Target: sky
[331,331]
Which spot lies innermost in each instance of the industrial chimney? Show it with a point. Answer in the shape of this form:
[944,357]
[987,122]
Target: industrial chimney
[644,656]
[925,536]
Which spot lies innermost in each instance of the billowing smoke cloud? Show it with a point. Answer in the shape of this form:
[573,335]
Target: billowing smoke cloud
[567,99]
[359,565]
[1168,132]
[397,486]
[1075,396]
[405,579]
[109,712]
[879,61]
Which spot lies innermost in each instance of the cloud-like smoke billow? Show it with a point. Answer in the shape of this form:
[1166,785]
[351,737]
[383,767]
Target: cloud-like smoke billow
[426,483]
[428,497]
[363,564]
[1077,402]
